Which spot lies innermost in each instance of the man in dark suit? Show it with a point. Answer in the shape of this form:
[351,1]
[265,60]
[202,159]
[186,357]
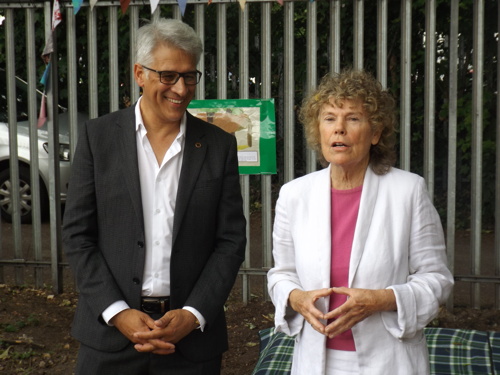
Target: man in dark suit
[154,228]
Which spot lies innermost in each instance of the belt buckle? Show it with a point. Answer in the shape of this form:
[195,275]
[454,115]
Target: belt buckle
[150,305]
[155,305]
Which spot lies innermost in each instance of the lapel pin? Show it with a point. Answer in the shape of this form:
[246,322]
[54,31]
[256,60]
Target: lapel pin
[197,145]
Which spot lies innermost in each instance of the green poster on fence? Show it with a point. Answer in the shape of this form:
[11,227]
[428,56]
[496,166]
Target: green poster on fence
[252,121]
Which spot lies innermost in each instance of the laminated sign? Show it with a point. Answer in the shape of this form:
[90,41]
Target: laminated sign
[252,122]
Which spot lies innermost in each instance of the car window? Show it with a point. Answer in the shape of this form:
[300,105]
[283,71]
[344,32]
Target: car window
[3,107]
[21,99]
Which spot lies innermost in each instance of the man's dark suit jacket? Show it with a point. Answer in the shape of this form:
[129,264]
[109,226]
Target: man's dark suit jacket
[103,230]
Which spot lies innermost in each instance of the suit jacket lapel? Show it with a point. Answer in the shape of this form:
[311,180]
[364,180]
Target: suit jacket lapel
[127,143]
[366,211]
[195,150]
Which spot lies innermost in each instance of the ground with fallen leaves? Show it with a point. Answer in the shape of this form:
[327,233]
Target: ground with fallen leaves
[35,332]
[35,324]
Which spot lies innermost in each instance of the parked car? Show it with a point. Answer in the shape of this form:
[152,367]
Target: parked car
[23,152]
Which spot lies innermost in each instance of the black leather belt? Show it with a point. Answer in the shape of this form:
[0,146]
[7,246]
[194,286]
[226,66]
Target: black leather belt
[155,305]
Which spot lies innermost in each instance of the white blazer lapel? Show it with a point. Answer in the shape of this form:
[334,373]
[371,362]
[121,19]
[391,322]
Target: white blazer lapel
[365,214]
[319,232]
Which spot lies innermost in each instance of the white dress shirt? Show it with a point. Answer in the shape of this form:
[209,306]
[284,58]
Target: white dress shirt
[159,185]
[158,190]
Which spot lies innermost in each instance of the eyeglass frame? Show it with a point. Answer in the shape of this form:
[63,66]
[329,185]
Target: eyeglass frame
[179,75]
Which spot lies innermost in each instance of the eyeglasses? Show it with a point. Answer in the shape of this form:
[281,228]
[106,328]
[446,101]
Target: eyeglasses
[170,78]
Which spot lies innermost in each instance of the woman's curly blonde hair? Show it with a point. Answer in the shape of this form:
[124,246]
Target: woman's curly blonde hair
[379,105]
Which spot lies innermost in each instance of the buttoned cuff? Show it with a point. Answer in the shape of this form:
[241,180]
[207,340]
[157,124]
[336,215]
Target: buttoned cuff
[113,310]
[198,316]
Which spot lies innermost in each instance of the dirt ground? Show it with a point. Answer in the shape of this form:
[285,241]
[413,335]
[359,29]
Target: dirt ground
[35,323]
[35,339]
[34,330]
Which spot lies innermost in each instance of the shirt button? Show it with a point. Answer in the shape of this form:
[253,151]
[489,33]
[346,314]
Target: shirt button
[157,211]
[157,243]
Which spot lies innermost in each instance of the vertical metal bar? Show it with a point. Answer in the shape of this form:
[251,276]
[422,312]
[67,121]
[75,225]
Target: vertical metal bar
[497,183]
[335,9]
[266,49]
[382,42]
[200,29]
[358,34]
[54,176]
[221,52]
[92,63]
[243,54]
[34,165]
[72,80]
[266,179]
[113,58]
[430,94]
[452,142]
[312,71]
[14,161]
[134,26]
[176,12]
[405,104]
[72,71]
[288,95]
[477,141]
[245,192]
[245,179]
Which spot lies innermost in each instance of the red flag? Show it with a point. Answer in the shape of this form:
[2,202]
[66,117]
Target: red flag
[56,20]
[124,4]
[56,14]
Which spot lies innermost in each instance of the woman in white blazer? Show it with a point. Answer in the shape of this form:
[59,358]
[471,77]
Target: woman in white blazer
[360,259]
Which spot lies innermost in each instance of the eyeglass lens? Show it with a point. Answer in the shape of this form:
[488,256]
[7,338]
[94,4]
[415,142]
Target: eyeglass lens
[171,78]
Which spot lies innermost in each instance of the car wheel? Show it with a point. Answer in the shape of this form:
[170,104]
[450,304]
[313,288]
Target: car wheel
[6,207]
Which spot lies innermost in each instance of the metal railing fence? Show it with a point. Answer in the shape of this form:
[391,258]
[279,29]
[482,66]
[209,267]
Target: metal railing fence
[435,66]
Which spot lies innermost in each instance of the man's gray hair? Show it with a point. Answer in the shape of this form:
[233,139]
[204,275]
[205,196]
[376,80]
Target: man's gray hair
[172,32]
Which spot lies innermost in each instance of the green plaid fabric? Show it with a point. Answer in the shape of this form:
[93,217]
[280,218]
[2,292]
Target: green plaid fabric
[495,350]
[458,351]
[276,351]
[451,352]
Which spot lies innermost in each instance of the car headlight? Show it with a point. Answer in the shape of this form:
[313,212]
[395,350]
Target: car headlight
[63,151]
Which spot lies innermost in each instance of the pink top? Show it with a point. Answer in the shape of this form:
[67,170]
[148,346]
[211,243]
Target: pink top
[345,207]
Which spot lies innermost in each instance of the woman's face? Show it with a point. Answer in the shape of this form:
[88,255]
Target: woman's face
[346,135]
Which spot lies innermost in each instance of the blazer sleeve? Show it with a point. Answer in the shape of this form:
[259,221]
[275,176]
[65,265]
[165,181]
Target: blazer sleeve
[283,277]
[227,242]
[429,282]
[80,233]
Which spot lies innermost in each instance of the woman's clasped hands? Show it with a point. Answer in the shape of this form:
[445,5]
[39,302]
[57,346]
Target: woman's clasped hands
[360,304]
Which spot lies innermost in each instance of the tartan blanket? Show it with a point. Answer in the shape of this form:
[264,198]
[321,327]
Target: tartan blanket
[495,351]
[451,351]
[276,351]
[458,351]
